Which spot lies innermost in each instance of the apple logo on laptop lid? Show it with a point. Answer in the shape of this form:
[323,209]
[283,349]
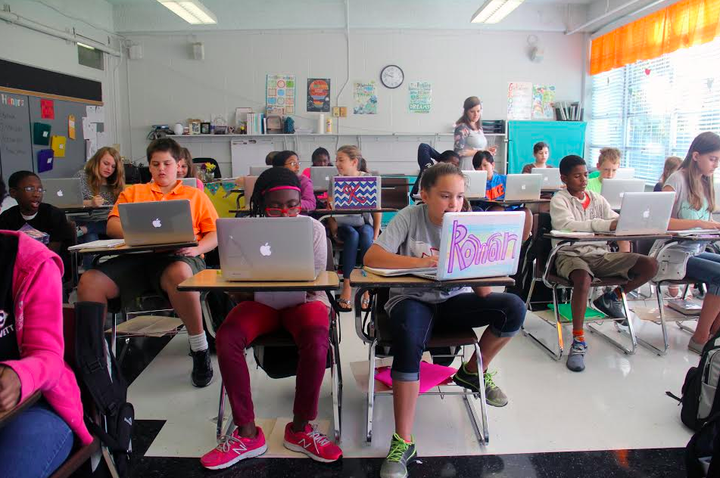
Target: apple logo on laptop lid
[646,214]
[265,250]
[60,193]
[157,223]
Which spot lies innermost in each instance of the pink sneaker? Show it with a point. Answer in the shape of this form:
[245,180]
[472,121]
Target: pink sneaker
[234,449]
[313,443]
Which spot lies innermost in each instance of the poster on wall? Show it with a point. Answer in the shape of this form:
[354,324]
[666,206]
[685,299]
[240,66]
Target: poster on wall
[519,100]
[420,96]
[542,104]
[364,98]
[280,94]
[318,95]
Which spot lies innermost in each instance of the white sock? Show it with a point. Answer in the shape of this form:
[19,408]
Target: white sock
[198,342]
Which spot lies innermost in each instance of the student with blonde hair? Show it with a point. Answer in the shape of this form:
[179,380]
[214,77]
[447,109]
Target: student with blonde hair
[608,163]
[103,178]
[672,164]
[187,169]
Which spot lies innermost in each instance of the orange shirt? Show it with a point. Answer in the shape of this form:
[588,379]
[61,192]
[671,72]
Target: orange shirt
[203,212]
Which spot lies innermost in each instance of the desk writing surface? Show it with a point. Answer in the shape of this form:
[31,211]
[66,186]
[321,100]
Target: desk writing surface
[5,417]
[211,279]
[86,209]
[125,249]
[607,237]
[361,278]
[512,202]
[339,212]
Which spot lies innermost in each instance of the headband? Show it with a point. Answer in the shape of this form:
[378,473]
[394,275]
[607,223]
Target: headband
[278,188]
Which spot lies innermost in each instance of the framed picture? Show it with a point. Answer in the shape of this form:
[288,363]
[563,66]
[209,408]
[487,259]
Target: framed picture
[204,128]
[194,127]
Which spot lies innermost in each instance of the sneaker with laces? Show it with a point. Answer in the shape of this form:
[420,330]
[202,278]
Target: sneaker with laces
[312,443]
[202,372]
[576,357]
[395,464]
[494,396]
[610,305]
[234,449]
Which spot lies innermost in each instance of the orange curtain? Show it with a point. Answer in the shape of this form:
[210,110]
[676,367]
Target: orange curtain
[682,25]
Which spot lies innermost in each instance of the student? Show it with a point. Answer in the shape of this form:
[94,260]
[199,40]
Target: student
[289,160]
[26,188]
[103,178]
[694,203]
[672,164]
[427,156]
[276,194]
[320,158]
[187,169]
[541,151]
[469,137]
[37,441]
[495,190]
[579,210]
[269,157]
[412,239]
[607,165]
[132,275]
[357,232]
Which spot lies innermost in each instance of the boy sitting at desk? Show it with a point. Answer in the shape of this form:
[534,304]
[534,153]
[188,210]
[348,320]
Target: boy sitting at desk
[135,274]
[607,166]
[576,209]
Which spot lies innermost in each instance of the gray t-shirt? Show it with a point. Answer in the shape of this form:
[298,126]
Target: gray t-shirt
[411,233]
[105,191]
[683,208]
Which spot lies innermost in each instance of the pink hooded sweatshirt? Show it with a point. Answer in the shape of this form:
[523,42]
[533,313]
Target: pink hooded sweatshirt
[37,293]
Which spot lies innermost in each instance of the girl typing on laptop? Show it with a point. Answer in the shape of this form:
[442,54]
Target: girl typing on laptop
[276,194]
[412,239]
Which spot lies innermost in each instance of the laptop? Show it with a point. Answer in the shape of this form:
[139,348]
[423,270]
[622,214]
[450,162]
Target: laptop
[321,177]
[266,249]
[625,173]
[523,187]
[550,178]
[476,184]
[157,222]
[716,185]
[258,170]
[63,193]
[189,182]
[614,189]
[644,213]
[473,245]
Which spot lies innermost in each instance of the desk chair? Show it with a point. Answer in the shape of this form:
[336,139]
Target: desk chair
[544,271]
[216,172]
[281,339]
[374,330]
[395,193]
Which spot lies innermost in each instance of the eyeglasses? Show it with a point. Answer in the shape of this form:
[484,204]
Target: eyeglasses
[278,211]
[292,163]
[32,189]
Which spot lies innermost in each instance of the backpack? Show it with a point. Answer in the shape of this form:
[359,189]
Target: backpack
[702,454]
[699,400]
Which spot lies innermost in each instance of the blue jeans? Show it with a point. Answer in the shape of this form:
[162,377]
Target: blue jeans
[357,240]
[94,230]
[413,321]
[705,267]
[35,443]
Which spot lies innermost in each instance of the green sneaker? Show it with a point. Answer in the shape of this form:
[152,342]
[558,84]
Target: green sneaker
[401,452]
[493,395]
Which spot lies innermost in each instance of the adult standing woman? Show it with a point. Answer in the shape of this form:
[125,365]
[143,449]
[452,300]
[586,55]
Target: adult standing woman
[469,137]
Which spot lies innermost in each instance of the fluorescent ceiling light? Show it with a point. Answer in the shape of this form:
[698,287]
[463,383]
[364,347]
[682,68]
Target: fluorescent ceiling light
[85,46]
[493,11]
[192,11]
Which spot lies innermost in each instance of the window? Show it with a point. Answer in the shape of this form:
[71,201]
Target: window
[89,56]
[654,108]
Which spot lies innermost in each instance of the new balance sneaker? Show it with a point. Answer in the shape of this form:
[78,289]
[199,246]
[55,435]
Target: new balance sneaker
[202,372]
[312,443]
[576,357]
[610,305]
[494,396]
[395,464]
[234,449]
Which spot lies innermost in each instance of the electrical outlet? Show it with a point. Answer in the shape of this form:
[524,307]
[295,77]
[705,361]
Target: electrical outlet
[336,112]
[343,112]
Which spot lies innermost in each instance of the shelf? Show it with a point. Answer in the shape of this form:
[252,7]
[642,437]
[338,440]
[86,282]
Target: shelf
[190,136]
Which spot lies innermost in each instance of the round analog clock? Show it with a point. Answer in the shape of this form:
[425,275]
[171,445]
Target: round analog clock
[392,76]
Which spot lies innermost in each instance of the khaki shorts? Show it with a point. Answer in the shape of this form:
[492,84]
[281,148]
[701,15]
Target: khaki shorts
[612,264]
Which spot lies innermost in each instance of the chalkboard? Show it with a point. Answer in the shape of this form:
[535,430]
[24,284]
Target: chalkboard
[15,135]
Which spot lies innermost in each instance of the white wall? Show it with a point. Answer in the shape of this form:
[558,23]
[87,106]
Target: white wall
[167,86]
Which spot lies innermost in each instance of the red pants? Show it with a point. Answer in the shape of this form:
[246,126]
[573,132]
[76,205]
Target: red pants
[307,323]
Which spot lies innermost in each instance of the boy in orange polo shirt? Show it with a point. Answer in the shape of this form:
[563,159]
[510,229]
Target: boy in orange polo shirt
[134,274]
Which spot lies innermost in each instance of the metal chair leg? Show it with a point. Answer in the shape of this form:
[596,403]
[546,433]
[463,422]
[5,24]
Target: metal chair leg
[370,393]
[221,414]
[631,331]
[558,328]
[481,431]
[663,327]
[335,393]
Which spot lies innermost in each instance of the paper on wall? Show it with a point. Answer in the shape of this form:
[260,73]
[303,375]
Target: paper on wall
[95,114]
[89,129]
[519,101]
[90,148]
[102,140]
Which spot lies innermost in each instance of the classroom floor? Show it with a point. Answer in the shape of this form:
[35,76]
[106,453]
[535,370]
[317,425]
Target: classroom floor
[613,420]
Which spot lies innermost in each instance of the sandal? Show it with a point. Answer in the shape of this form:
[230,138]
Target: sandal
[365,304]
[344,305]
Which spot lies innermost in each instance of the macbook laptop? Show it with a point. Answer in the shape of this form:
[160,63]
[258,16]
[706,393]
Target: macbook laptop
[476,184]
[321,177]
[550,178]
[614,189]
[625,173]
[156,222]
[523,187]
[63,193]
[644,213]
[266,249]
[473,245]
[258,170]
[189,182]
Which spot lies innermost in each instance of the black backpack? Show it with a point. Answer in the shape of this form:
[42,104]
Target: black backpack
[702,454]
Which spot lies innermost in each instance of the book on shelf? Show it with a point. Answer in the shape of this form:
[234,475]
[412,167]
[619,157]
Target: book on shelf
[568,111]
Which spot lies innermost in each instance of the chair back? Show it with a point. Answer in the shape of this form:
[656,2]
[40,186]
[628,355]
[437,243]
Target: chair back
[541,246]
[395,193]
[216,172]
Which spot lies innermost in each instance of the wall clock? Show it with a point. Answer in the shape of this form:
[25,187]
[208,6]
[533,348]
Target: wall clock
[392,76]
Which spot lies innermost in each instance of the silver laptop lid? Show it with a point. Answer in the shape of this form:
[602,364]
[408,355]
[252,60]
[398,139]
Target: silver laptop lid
[63,192]
[625,173]
[523,187]
[321,177]
[190,182]
[614,190]
[157,222]
[258,170]
[266,248]
[476,184]
[645,213]
[550,178]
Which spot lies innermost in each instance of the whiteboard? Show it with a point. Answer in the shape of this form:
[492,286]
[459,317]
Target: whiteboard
[249,152]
